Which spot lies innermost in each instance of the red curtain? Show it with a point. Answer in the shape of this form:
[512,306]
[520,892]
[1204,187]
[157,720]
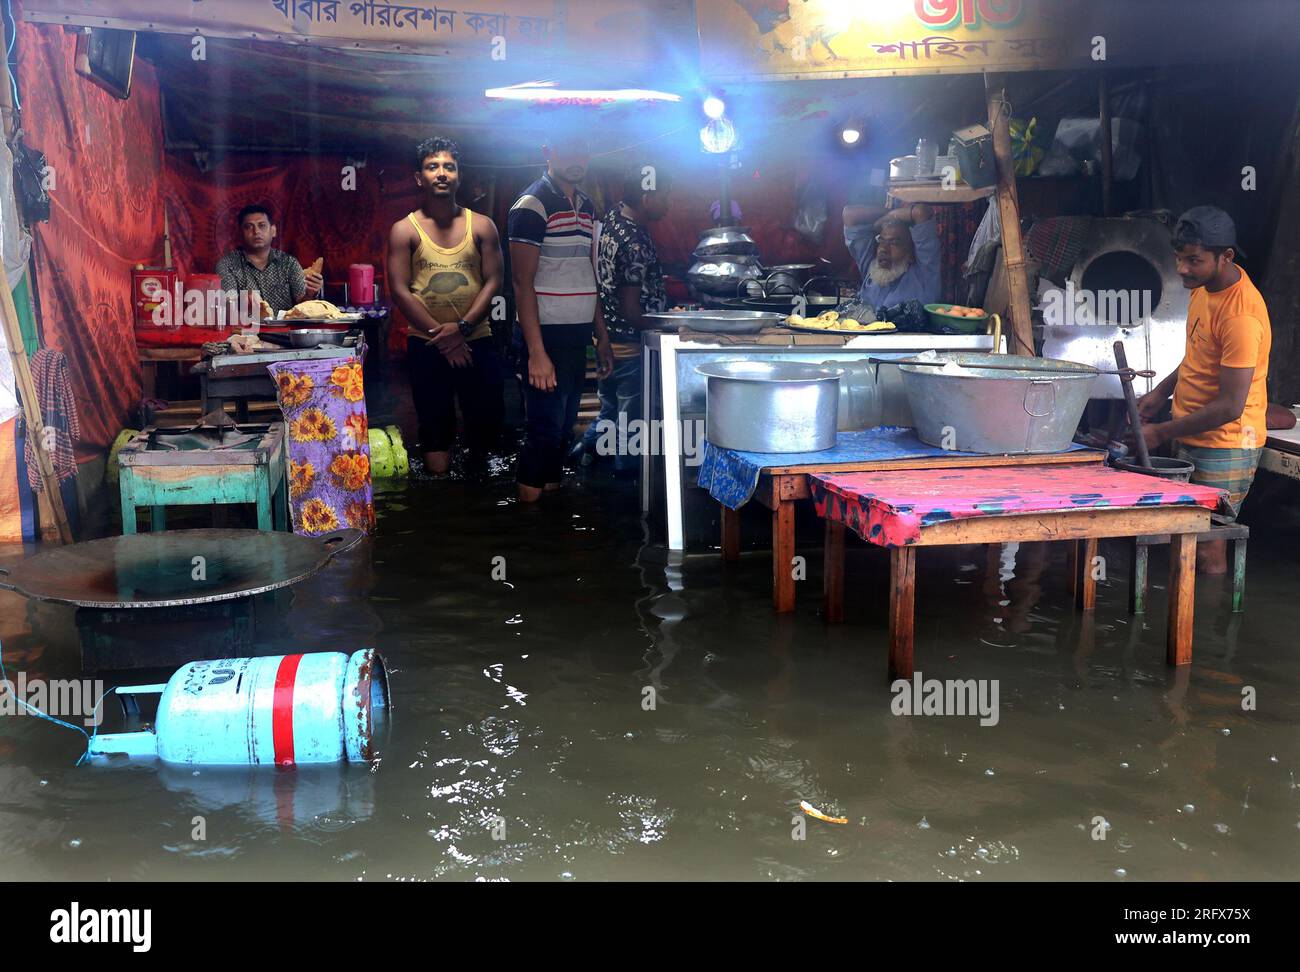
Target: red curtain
[106,157]
[319,209]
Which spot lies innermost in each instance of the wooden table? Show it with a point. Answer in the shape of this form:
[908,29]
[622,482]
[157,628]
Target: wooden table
[252,473]
[927,508]
[780,487]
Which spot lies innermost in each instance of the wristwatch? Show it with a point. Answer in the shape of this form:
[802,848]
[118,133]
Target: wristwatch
[465,327]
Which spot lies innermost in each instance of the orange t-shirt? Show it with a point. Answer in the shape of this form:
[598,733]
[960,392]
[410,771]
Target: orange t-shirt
[1228,329]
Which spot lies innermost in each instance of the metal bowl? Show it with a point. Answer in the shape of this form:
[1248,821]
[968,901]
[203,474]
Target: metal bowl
[718,321]
[771,406]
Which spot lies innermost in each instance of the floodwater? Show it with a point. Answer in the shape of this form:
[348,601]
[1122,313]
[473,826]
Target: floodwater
[524,743]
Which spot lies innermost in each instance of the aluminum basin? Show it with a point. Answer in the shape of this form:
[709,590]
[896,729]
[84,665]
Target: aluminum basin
[771,406]
[1033,410]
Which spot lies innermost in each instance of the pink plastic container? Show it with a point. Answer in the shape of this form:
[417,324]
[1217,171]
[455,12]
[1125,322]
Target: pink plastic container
[361,284]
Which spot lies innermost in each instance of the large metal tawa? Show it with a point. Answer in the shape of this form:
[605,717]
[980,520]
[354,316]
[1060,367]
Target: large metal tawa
[153,570]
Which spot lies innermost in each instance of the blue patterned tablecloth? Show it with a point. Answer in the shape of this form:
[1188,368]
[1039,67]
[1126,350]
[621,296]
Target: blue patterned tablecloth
[731,476]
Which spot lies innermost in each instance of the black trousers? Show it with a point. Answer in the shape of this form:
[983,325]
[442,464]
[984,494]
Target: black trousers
[436,386]
[551,416]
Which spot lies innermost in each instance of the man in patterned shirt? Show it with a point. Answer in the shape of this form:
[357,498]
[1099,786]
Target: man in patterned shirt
[631,284]
[274,274]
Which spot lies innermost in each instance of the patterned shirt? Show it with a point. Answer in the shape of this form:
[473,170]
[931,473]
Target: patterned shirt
[566,278]
[281,283]
[627,258]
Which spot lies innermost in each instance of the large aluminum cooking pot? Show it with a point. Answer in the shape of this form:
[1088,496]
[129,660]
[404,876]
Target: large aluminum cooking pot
[1032,410]
[722,276]
[723,240]
[771,406]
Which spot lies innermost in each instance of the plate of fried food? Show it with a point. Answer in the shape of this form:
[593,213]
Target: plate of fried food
[316,312]
[830,322]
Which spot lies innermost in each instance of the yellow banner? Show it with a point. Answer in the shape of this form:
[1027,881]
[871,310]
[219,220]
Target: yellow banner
[838,38]
[500,29]
[770,39]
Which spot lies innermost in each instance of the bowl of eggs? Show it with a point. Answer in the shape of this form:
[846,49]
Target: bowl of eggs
[967,320]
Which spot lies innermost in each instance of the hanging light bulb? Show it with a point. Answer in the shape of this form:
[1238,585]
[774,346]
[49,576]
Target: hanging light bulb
[850,134]
[718,136]
[714,107]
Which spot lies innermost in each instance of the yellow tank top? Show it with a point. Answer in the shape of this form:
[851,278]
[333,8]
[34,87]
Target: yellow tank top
[448,279]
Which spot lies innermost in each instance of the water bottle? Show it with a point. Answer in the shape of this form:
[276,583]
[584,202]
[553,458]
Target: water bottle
[926,153]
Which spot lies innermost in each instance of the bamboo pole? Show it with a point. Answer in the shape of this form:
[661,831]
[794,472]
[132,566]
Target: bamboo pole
[1013,250]
[27,397]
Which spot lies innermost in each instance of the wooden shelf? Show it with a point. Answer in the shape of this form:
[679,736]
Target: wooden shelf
[933,192]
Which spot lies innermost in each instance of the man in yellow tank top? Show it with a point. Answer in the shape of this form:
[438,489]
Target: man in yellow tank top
[444,269]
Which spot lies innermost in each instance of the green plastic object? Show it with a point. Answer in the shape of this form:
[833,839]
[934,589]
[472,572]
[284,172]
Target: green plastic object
[401,458]
[112,469]
[381,455]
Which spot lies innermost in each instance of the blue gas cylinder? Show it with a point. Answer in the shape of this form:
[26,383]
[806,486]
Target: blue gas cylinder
[322,707]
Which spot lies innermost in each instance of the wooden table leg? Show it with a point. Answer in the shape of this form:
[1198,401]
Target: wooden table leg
[1085,585]
[1182,594]
[783,555]
[1137,579]
[730,534]
[1238,573]
[264,492]
[128,502]
[833,573]
[902,606]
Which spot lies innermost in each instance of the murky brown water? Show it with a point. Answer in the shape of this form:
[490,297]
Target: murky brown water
[520,703]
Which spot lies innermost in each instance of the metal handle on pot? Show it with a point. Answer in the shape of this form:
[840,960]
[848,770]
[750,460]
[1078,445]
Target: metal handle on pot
[772,290]
[836,295]
[1045,383]
[995,327]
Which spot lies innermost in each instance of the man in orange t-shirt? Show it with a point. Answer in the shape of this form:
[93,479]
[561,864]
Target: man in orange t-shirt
[1219,390]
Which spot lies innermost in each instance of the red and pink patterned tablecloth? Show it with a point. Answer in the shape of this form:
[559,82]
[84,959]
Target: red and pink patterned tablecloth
[892,508]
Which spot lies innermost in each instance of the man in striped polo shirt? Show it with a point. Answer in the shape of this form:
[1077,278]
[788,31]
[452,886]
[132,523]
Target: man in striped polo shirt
[551,230]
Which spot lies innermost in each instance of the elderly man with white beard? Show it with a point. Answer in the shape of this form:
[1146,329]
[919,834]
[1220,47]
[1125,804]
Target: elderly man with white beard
[897,253]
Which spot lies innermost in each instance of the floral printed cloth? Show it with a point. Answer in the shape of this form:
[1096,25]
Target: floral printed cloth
[324,408]
[892,508]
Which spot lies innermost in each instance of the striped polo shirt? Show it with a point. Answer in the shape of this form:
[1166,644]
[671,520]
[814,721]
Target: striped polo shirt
[566,277]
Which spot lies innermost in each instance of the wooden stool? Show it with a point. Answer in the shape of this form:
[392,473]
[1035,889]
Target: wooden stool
[1220,529]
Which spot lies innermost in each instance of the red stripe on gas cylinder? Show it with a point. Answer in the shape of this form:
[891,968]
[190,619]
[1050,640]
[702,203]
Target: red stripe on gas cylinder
[282,709]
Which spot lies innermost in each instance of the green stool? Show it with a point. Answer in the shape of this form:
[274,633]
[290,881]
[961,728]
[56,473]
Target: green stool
[1235,533]
[205,466]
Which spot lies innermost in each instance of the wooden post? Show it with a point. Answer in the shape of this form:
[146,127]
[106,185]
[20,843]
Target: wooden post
[730,534]
[833,573]
[1107,163]
[902,610]
[1085,588]
[1013,251]
[1182,596]
[782,551]
[27,397]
